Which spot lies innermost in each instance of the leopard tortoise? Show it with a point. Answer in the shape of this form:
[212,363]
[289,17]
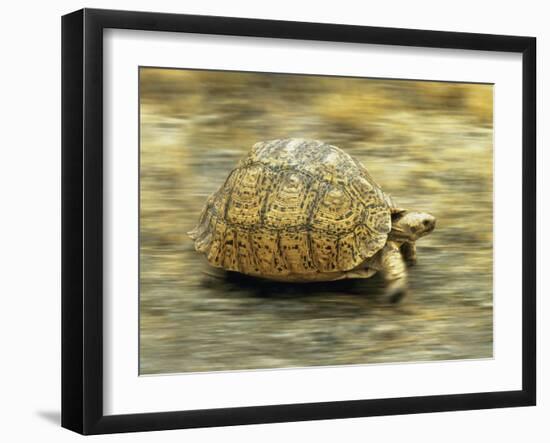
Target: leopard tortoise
[300,210]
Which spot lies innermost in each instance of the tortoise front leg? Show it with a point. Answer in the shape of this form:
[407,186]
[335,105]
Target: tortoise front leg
[408,249]
[394,272]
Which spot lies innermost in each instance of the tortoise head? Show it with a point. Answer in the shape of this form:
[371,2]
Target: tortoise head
[410,225]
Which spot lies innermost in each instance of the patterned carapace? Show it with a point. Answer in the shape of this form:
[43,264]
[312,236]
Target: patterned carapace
[293,209]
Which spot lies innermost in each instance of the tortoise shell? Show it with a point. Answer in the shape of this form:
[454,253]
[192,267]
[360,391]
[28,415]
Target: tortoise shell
[294,208]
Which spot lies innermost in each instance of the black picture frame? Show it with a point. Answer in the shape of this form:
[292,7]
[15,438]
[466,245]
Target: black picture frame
[82,218]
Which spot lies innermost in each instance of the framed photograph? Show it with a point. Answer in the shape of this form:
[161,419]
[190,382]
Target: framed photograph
[269,221]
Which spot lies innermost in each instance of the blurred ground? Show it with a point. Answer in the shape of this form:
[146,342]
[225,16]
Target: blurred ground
[428,144]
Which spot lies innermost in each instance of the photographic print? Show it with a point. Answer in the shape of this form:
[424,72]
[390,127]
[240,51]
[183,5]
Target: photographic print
[294,221]
[327,208]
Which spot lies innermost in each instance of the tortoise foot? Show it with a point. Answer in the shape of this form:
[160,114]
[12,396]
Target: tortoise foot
[395,295]
[410,262]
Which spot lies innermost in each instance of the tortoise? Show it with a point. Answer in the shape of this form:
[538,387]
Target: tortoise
[298,210]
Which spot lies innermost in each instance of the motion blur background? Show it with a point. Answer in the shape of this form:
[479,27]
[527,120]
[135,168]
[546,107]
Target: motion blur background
[428,144]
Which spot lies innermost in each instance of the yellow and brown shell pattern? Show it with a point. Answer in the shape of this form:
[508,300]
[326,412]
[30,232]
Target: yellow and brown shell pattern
[291,209]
